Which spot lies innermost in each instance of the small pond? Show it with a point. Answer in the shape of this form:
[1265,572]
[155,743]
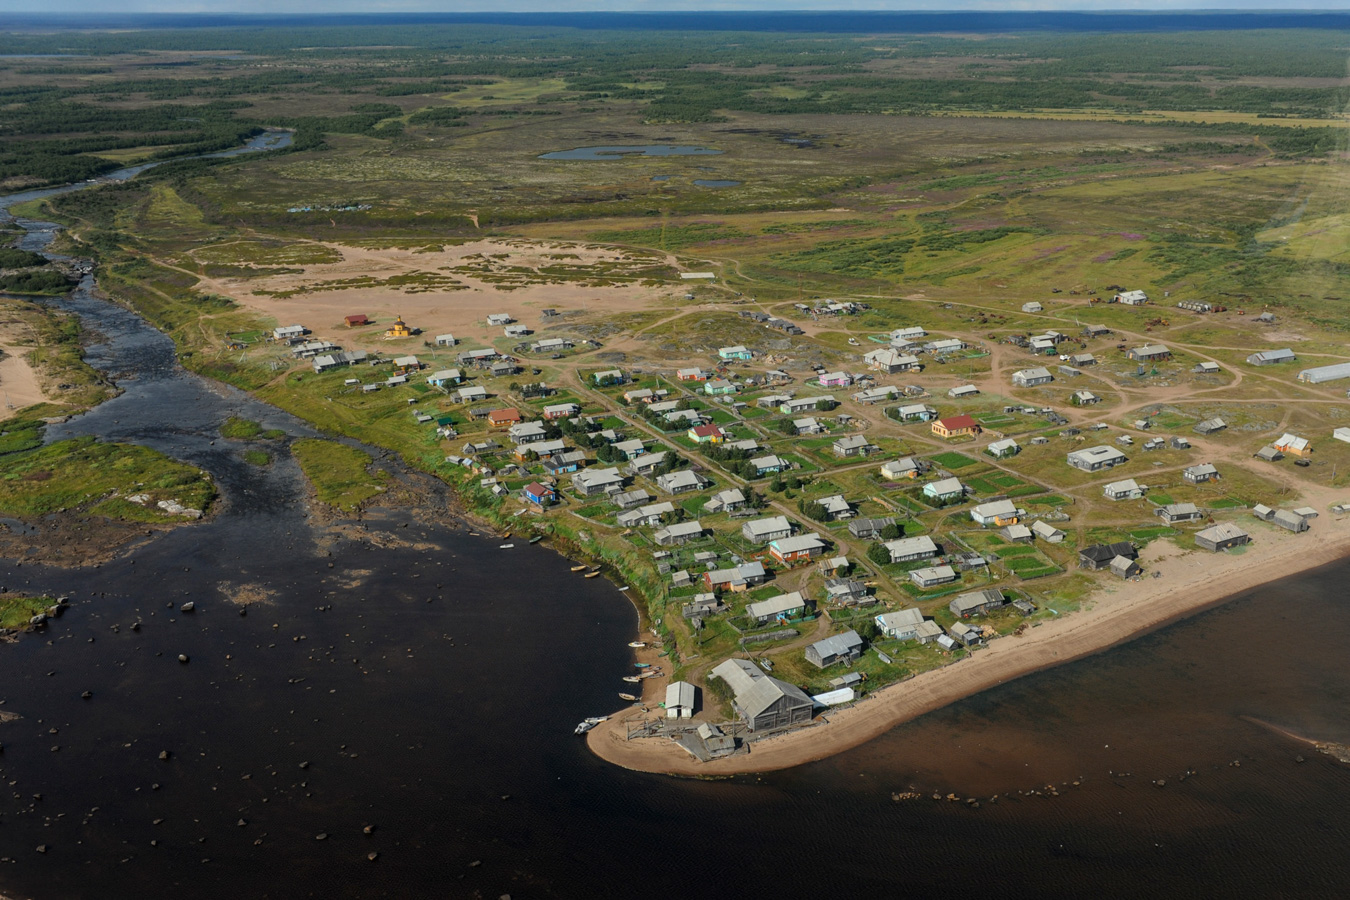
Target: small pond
[618,152]
[715,182]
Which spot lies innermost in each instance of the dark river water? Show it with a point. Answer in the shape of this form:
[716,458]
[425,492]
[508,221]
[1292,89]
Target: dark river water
[415,679]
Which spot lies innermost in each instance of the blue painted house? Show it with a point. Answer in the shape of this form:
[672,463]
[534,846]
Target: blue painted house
[540,494]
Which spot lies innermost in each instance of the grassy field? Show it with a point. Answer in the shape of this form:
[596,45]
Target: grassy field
[239,429]
[338,473]
[15,612]
[97,478]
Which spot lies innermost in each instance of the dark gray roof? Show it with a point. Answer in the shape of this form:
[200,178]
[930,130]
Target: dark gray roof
[838,644]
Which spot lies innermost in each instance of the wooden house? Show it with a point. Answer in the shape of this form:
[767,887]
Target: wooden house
[505,418]
[956,426]
[792,551]
[777,609]
[707,434]
[911,549]
[931,576]
[1099,556]
[763,702]
[540,494]
[1221,537]
[1201,473]
[837,648]
[975,603]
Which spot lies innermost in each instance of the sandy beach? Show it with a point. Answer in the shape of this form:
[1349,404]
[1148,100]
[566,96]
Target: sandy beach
[1117,612]
[18,382]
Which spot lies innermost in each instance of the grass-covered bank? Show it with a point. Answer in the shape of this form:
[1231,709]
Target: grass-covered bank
[83,475]
[15,612]
[238,429]
[340,474]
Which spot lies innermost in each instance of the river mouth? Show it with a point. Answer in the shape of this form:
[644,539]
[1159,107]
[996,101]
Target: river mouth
[344,687]
[633,150]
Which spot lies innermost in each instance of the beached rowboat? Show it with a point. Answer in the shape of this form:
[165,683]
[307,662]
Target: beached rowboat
[632,679]
[590,722]
[578,568]
[628,697]
[638,644]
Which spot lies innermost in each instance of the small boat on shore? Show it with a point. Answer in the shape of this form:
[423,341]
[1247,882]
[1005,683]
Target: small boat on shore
[632,679]
[506,546]
[595,574]
[578,568]
[642,665]
[590,722]
[637,644]
[628,697]
[624,588]
[536,539]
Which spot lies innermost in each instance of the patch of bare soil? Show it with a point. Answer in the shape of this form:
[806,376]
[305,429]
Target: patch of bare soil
[454,289]
[247,594]
[73,541]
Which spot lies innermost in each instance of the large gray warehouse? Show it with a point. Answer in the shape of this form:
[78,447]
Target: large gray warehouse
[1325,373]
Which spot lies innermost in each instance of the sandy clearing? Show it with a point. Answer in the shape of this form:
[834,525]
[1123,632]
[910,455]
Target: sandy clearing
[463,311]
[1190,581]
[18,381]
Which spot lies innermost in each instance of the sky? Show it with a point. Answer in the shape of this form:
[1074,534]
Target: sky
[218,7]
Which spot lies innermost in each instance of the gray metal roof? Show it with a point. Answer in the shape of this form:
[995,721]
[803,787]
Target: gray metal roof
[775,605]
[976,599]
[797,543]
[838,644]
[679,693]
[905,546]
[771,525]
[899,619]
[1223,531]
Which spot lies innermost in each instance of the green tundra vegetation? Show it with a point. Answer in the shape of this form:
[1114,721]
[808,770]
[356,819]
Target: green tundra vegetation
[942,180]
[88,477]
[16,612]
[340,474]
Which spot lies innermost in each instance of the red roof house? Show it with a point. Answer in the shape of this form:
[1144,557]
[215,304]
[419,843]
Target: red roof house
[499,417]
[955,426]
